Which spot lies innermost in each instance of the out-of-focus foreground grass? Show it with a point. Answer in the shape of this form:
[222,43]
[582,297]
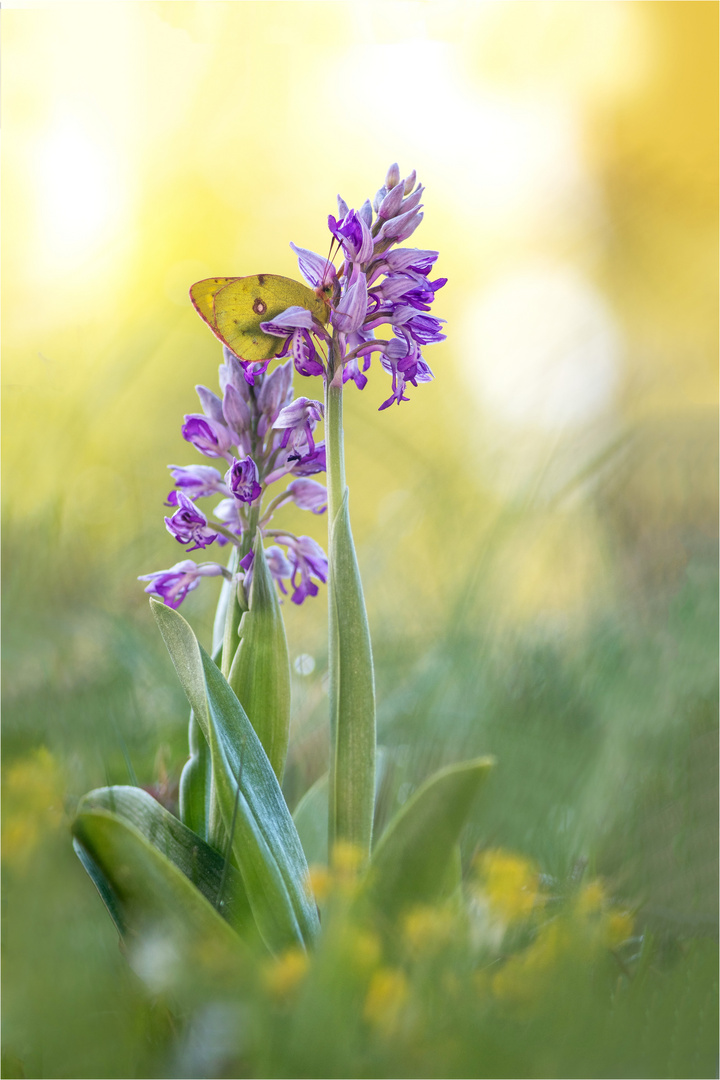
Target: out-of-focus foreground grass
[536,529]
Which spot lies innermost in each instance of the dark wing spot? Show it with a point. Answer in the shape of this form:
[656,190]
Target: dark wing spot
[259,306]
[261,279]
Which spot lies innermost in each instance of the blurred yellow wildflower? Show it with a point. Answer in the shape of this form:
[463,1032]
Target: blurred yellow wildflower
[619,928]
[33,790]
[340,877]
[364,951]
[591,899]
[284,974]
[428,929]
[522,977]
[386,996]
[346,859]
[510,883]
[611,926]
[319,882]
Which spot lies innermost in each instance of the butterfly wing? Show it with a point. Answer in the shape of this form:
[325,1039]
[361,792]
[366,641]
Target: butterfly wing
[203,294]
[233,308]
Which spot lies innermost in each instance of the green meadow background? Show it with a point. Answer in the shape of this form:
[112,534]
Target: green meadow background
[536,529]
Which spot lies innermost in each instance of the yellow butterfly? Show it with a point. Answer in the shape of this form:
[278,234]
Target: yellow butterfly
[234,307]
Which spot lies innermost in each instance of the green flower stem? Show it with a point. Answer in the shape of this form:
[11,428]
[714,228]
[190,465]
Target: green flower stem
[350,669]
[335,475]
[237,603]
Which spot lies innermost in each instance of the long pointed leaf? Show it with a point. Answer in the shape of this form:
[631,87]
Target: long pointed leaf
[260,672]
[412,861]
[265,841]
[353,783]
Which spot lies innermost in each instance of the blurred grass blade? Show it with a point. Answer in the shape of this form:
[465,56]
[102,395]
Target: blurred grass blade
[196,783]
[353,784]
[201,864]
[264,839]
[413,860]
[311,821]
[260,672]
[149,897]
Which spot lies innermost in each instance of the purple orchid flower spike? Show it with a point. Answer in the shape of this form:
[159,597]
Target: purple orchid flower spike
[354,236]
[263,434]
[319,272]
[308,561]
[195,481]
[298,422]
[189,525]
[209,436]
[295,325]
[243,480]
[173,585]
[308,495]
[351,310]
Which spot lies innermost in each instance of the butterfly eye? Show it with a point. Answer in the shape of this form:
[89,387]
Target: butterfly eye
[259,307]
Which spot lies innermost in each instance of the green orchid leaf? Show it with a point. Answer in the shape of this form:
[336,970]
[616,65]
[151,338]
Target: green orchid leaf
[165,921]
[264,839]
[413,860]
[311,822]
[260,672]
[311,813]
[196,783]
[217,880]
[352,795]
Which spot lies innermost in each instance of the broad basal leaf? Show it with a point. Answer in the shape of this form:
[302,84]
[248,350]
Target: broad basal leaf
[265,842]
[412,860]
[210,873]
[167,924]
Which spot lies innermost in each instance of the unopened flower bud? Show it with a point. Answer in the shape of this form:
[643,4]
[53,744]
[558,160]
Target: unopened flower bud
[211,403]
[237,415]
[400,228]
[393,177]
[379,196]
[410,182]
[231,372]
[366,213]
[412,200]
[391,203]
[275,394]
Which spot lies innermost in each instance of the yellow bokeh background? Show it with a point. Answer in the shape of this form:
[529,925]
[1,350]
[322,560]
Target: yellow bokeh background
[570,155]
[535,528]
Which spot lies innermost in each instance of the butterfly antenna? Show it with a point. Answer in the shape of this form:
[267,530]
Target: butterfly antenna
[228,849]
[330,256]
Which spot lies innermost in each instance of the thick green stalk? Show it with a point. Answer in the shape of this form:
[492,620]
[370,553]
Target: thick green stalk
[351,681]
[335,474]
